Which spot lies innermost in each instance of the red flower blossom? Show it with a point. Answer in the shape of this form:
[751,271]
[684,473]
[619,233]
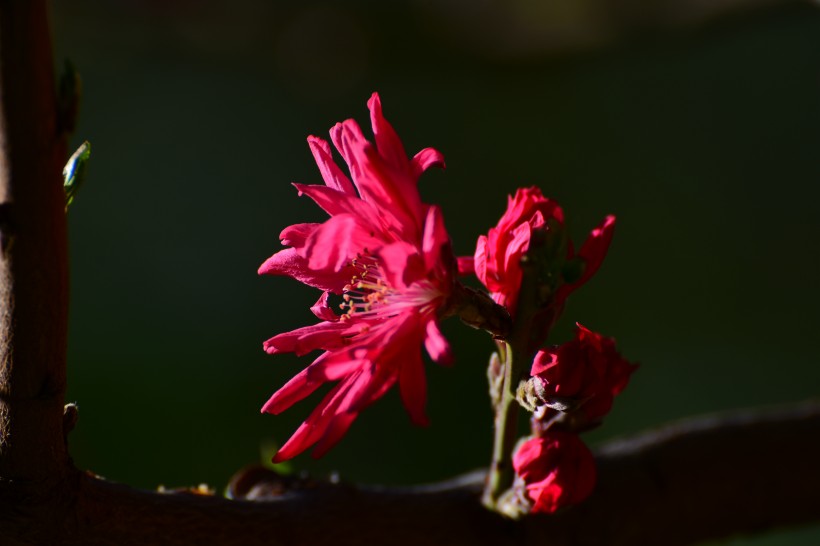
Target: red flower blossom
[498,254]
[588,371]
[558,470]
[389,256]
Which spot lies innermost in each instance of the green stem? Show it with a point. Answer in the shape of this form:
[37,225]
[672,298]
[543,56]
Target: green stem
[515,355]
[501,476]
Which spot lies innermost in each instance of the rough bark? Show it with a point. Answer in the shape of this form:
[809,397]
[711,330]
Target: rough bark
[33,266]
[700,479]
[33,263]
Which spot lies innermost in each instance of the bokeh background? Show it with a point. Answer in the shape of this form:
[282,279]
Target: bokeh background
[698,126]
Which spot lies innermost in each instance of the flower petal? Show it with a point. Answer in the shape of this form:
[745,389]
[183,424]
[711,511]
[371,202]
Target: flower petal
[426,158]
[296,234]
[298,388]
[333,366]
[466,265]
[314,426]
[331,173]
[336,429]
[436,242]
[325,335]
[480,259]
[335,202]
[413,388]
[363,390]
[344,135]
[594,249]
[288,262]
[387,141]
[436,344]
[390,190]
[401,264]
[322,310]
[337,242]
[593,252]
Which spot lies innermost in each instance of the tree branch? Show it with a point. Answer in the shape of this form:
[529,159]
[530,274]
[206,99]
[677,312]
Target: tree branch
[33,272]
[700,479]
[33,256]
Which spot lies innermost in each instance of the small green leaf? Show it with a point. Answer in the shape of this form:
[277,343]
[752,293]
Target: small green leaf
[74,172]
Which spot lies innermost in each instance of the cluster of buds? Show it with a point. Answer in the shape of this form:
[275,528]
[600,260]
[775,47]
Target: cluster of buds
[529,265]
[571,388]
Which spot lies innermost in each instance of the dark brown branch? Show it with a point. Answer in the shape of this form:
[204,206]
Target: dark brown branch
[33,270]
[700,479]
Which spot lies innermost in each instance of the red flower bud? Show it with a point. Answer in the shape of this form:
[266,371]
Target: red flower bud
[588,370]
[557,470]
[498,254]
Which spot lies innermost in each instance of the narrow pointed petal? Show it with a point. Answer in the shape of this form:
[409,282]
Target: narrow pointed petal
[334,366]
[338,241]
[356,397]
[336,430]
[346,136]
[325,335]
[376,381]
[335,202]
[387,141]
[392,191]
[331,173]
[298,388]
[314,426]
[436,344]
[466,265]
[480,259]
[296,234]
[322,310]
[413,390]
[435,241]
[289,263]
[426,158]
[594,249]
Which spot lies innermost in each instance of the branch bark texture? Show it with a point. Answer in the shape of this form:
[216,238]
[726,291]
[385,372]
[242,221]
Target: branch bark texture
[700,479]
[33,269]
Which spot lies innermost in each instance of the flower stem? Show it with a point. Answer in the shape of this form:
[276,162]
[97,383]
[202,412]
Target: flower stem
[515,355]
[500,477]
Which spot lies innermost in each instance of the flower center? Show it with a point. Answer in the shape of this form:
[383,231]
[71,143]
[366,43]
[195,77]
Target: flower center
[369,295]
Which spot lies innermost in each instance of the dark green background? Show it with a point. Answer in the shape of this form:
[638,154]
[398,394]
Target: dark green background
[704,143]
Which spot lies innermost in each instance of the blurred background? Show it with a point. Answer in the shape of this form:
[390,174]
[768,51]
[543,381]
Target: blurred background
[696,123]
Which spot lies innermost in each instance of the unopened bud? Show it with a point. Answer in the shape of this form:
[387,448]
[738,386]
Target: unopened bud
[495,377]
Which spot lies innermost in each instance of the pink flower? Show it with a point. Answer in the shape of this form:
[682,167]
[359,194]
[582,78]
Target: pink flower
[389,256]
[587,372]
[558,470]
[497,260]
[498,254]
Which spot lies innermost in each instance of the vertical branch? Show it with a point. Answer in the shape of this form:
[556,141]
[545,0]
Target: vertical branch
[33,253]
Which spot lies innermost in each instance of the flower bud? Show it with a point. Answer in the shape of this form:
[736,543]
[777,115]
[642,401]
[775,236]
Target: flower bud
[582,375]
[557,470]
